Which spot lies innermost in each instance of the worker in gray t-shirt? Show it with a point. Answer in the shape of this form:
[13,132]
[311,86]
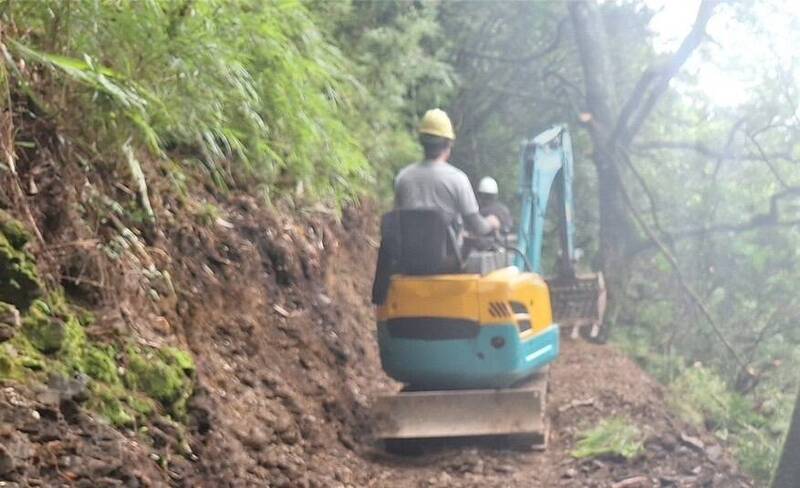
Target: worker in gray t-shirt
[436,183]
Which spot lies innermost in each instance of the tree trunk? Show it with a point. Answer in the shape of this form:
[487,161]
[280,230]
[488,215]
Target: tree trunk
[612,129]
[788,473]
[617,231]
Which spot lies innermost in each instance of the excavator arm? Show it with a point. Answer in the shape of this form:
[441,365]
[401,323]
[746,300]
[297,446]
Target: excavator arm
[546,167]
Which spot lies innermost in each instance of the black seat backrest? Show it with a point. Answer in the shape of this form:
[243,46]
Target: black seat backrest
[422,241]
[419,241]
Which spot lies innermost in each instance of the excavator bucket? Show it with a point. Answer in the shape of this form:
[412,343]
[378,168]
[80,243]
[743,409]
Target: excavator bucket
[579,302]
[517,412]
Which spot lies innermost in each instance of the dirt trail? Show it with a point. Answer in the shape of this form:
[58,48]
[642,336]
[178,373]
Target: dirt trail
[588,383]
[276,312]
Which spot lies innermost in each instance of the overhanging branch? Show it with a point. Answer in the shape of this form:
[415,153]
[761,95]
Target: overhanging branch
[705,150]
[528,57]
[656,78]
[690,292]
[771,219]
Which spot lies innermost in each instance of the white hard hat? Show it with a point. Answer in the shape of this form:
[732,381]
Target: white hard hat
[487,185]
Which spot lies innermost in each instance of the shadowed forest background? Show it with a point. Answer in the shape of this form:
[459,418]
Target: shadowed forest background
[687,141]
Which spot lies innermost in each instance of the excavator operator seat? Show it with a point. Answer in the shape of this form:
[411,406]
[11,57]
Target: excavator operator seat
[415,242]
[422,240]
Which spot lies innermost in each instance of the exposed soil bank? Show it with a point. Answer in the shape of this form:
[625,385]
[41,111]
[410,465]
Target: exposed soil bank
[274,308]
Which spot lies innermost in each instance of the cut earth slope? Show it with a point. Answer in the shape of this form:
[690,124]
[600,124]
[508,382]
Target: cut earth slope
[271,306]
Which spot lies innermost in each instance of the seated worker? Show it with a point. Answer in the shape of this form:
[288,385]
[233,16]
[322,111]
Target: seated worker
[435,183]
[490,204]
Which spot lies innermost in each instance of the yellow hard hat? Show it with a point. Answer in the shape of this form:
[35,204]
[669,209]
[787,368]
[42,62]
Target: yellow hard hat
[436,123]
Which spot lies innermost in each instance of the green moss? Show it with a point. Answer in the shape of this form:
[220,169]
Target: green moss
[7,310]
[18,359]
[13,230]
[164,375]
[106,401]
[140,404]
[19,279]
[7,362]
[120,406]
[100,364]
[207,214]
[53,330]
[31,363]
[85,317]
[180,358]
[48,336]
[53,340]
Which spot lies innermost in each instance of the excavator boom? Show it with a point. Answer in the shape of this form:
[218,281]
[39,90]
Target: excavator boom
[546,166]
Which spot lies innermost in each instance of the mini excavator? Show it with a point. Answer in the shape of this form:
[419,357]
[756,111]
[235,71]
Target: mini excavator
[471,336]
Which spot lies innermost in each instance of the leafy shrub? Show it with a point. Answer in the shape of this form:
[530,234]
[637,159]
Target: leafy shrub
[701,396]
[614,437]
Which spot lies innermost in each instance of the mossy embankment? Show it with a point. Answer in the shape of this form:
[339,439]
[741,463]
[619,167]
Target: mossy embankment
[43,340]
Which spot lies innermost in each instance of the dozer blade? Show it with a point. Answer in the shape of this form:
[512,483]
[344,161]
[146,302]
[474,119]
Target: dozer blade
[518,411]
[578,302]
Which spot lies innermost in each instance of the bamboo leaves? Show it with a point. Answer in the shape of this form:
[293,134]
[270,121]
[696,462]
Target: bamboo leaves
[251,89]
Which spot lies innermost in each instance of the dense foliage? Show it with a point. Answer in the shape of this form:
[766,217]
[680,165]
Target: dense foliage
[245,87]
